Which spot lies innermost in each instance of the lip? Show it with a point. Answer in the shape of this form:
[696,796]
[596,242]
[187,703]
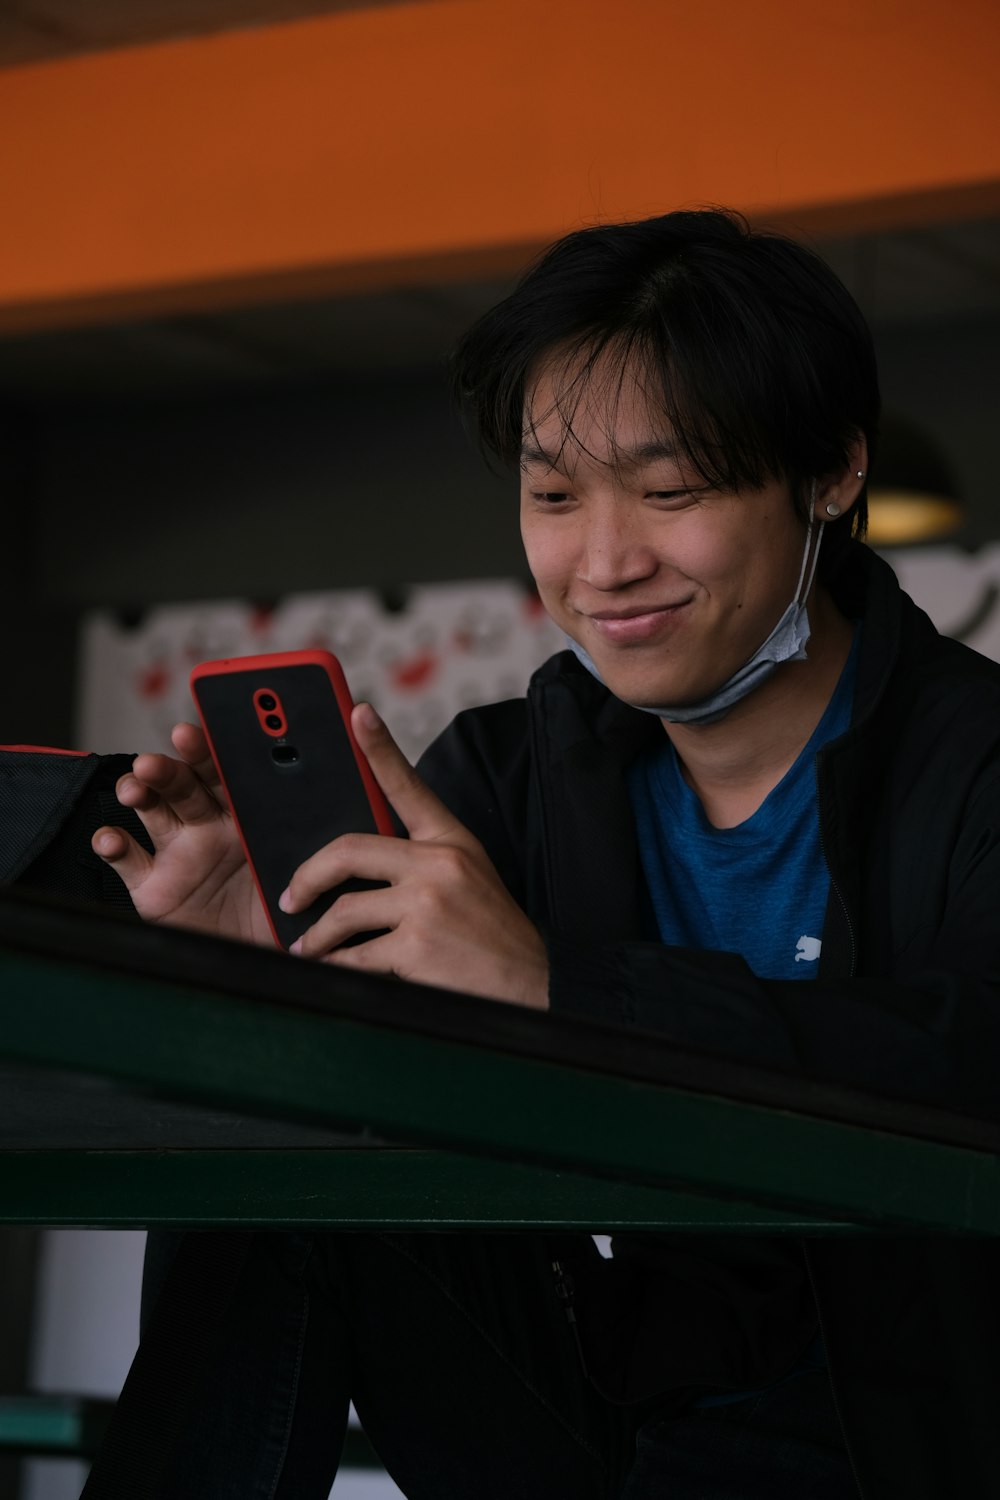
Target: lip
[624,627]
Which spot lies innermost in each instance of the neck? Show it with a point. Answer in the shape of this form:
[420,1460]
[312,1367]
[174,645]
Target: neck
[733,765]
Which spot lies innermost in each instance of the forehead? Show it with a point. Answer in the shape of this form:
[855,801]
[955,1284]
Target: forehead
[602,411]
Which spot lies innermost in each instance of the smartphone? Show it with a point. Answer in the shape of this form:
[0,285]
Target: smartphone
[279,730]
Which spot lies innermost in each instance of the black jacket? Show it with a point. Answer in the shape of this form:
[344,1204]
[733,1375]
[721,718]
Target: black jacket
[906,1003]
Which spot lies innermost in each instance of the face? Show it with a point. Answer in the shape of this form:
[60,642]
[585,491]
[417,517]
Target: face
[668,585]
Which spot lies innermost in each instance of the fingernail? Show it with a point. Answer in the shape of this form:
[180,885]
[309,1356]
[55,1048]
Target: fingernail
[285,900]
[369,718]
[296,947]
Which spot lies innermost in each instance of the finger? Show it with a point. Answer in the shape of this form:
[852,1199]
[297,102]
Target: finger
[423,814]
[351,913]
[191,745]
[375,957]
[120,850]
[156,816]
[174,785]
[361,856]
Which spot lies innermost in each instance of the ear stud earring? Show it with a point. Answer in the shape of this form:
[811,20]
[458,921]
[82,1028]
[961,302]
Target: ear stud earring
[861,474]
[833,509]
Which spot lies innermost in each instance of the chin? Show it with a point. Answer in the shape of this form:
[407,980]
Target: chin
[642,695]
[650,689]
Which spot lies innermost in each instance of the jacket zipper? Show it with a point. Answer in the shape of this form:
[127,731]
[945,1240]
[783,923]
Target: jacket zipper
[833,1389]
[845,909]
[565,1292]
[548,846]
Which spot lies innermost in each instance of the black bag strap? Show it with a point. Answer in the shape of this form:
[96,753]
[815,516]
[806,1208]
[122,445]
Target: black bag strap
[51,804]
[161,1392]
[38,791]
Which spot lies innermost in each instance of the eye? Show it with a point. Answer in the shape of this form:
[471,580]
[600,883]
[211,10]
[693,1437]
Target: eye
[550,497]
[675,499]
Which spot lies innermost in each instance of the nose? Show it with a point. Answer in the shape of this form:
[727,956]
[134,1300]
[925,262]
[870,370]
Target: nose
[613,553]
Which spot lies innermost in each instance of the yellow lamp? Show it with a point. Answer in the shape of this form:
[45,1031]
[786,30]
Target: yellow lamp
[911,494]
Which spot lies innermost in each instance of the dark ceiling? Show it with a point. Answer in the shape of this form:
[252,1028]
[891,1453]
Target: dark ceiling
[902,278]
[34,30]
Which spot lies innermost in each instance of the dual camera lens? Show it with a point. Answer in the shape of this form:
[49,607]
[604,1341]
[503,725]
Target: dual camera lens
[270,712]
[271,717]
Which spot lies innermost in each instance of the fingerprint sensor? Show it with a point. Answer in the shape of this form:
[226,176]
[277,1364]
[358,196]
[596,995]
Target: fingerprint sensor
[284,755]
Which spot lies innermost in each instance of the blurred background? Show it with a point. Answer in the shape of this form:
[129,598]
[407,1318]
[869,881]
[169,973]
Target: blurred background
[239,239]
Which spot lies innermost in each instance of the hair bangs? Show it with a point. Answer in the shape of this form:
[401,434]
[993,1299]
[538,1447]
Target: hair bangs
[691,409]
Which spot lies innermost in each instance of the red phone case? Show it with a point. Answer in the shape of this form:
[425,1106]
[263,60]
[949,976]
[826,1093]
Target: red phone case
[279,731]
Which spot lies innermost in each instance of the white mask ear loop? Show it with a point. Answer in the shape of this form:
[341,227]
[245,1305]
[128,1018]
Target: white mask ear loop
[810,556]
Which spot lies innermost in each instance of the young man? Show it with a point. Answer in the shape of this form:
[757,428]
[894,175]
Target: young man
[756,809]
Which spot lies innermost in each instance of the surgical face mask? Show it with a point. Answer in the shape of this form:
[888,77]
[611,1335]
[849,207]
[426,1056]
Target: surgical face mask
[787,642]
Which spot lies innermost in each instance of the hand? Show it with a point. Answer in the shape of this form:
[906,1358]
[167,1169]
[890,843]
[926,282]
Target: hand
[198,875]
[451,920]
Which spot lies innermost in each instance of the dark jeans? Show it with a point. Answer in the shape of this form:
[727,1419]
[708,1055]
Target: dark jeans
[467,1378]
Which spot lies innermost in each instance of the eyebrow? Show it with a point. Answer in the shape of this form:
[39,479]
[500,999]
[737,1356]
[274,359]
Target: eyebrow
[534,455]
[630,458]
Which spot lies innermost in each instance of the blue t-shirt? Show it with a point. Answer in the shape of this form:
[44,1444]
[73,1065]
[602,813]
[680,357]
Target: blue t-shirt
[758,889]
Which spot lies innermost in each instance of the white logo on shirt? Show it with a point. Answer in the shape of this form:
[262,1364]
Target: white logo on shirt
[807,950]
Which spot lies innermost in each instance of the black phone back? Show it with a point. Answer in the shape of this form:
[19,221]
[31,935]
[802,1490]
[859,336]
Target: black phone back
[290,793]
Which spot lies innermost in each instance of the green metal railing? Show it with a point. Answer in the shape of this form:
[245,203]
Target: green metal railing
[47,1426]
[521,1120]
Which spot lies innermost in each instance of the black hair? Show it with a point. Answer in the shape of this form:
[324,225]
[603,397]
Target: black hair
[754,350]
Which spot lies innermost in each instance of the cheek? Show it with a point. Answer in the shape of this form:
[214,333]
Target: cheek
[708,557]
[736,559]
[549,554]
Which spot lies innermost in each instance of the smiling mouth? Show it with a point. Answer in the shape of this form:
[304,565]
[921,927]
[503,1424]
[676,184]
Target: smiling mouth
[626,626]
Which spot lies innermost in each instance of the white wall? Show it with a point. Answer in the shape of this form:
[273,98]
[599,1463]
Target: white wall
[86,1328]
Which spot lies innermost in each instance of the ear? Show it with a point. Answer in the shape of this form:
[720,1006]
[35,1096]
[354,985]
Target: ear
[836,493]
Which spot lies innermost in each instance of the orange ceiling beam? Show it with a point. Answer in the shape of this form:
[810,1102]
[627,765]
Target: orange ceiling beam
[433,139]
